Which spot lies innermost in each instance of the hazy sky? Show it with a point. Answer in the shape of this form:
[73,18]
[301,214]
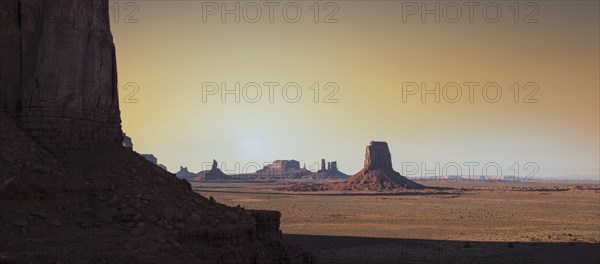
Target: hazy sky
[369,53]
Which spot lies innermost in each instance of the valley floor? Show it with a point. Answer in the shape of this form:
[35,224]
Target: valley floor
[482,223]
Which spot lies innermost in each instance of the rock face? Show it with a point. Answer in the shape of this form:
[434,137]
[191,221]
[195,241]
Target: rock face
[67,183]
[59,74]
[377,174]
[378,157]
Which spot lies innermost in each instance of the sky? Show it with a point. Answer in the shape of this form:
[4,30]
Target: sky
[355,71]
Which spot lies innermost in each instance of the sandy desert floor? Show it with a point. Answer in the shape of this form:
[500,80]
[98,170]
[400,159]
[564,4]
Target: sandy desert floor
[475,223]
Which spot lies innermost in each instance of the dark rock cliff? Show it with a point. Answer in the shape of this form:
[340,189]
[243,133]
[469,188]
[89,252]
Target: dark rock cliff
[69,191]
[58,72]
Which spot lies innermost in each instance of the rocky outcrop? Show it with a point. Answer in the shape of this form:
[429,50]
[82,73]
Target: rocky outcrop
[329,172]
[214,174]
[378,173]
[70,191]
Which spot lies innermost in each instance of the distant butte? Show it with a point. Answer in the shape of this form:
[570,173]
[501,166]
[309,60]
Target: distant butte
[214,174]
[377,173]
[282,169]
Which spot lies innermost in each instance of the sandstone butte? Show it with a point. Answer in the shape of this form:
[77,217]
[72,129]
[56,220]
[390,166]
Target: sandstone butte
[377,173]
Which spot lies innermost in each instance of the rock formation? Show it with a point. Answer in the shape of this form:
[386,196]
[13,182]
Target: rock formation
[214,165]
[378,157]
[283,168]
[377,174]
[333,166]
[184,173]
[70,191]
[331,171]
[214,174]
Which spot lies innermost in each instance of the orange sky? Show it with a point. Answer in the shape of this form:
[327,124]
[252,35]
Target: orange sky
[368,54]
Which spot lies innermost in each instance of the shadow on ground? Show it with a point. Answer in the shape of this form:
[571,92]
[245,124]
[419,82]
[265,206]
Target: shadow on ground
[344,249]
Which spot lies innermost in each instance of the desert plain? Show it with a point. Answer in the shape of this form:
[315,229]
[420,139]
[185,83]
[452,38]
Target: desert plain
[464,222]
